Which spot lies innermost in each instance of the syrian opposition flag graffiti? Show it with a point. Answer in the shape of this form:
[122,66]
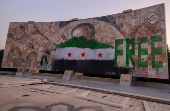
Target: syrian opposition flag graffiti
[74,53]
[86,56]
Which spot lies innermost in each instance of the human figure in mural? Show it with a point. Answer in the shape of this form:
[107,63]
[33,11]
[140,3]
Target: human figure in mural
[13,58]
[31,61]
[43,63]
[33,64]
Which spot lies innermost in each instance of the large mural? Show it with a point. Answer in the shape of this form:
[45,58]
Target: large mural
[131,42]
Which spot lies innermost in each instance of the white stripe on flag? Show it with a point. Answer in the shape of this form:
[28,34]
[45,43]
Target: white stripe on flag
[73,53]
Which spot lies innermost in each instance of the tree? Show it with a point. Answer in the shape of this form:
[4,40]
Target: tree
[1,56]
[168,54]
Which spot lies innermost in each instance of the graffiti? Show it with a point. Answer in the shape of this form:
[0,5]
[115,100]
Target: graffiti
[130,52]
[118,52]
[141,51]
[156,51]
[50,107]
[108,72]
[133,42]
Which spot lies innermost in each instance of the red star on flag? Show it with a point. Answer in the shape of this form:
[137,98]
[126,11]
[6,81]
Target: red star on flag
[69,54]
[100,55]
[83,54]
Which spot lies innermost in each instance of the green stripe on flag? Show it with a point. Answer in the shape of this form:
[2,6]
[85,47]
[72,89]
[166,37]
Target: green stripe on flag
[82,42]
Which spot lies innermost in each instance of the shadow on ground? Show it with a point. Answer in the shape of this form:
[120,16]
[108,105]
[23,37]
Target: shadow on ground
[49,107]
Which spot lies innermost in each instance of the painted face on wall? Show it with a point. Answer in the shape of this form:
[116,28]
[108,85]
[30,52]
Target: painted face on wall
[86,30]
[82,31]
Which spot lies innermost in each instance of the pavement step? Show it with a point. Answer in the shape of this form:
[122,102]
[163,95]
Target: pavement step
[157,106]
[98,98]
[127,94]
[55,91]
[109,97]
[146,106]
[106,97]
[84,94]
[43,86]
[44,90]
[61,88]
[70,91]
[20,84]
[13,81]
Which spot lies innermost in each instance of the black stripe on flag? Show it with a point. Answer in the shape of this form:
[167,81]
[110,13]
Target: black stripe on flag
[105,67]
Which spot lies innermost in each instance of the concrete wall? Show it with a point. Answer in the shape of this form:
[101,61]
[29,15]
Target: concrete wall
[138,38]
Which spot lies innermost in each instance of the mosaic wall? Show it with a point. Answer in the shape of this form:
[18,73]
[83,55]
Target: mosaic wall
[124,43]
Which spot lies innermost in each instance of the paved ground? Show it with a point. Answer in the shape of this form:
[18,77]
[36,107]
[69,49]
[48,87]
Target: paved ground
[23,99]
[142,90]
[6,81]
[42,97]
